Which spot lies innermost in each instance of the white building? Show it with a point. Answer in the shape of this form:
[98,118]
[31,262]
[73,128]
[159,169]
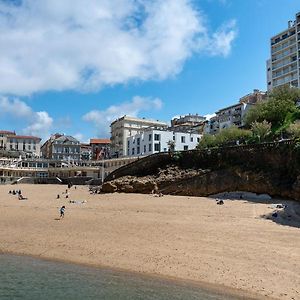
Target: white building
[283,67]
[125,127]
[23,143]
[154,140]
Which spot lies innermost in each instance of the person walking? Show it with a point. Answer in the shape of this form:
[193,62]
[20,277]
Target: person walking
[62,212]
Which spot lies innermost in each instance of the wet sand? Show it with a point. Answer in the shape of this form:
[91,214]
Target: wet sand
[188,238]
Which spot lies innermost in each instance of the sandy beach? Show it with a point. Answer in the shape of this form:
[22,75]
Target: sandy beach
[189,238]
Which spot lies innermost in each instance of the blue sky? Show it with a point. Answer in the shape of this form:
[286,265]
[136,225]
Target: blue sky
[74,68]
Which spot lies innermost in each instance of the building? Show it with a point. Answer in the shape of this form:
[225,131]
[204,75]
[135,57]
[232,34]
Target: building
[3,138]
[85,151]
[283,66]
[153,140]
[233,115]
[22,144]
[100,148]
[63,147]
[125,127]
[187,123]
[255,97]
[211,126]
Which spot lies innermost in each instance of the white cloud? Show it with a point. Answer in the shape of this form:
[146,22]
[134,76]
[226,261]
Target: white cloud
[36,123]
[84,45]
[222,39]
[102,118]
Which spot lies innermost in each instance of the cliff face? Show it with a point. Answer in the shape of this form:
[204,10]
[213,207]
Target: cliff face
[272,168]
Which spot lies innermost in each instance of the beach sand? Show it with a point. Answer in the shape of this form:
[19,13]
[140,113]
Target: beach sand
[188,238]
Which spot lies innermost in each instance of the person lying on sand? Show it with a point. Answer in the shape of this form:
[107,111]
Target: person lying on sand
[20,197]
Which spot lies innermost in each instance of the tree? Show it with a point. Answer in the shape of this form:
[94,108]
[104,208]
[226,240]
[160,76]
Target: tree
[261,130]
[280,102]
[207,141]
[294,129]
[228,136]
[171,145]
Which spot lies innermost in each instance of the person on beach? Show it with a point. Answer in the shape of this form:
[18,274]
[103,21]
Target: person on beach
[62,212]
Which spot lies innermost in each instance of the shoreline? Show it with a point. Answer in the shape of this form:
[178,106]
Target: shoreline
[206,286]
[189,240]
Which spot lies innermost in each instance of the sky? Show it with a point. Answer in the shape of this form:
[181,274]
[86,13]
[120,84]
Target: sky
[74,66]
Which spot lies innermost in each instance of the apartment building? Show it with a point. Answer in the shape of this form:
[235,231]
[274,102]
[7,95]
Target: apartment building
[211,126]
[125,127]
[233,115]
[61,147]
[153,140]
[283,66]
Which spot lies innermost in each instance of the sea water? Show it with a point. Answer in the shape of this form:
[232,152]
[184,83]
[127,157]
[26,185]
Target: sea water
[29,278]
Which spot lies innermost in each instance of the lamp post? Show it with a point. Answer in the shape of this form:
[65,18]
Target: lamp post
[102,173]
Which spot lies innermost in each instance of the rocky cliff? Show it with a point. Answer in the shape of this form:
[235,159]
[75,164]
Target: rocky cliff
[272,168]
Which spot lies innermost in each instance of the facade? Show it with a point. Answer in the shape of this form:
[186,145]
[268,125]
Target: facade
[100,148]
[62,147]
[85,152]
[283,67]
[3,138]
[152,141]
[125,127]
[233,115]
[211,126]
[28,145]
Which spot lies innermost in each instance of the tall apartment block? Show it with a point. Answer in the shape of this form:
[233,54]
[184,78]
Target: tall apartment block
[283,66]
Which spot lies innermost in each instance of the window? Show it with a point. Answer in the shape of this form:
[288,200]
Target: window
[192,139]
[138,141]
[150,147]
[157,137]
[165,149]
[128,143]
[183,139]
[173,137]
[156,147]
[150,138]
[185,147]
[138,150]
[132,152]
[198,139]
[144,148]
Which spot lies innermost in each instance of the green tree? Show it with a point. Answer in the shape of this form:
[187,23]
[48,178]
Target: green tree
[261,130]
[207,141]
[294,129]
[233,135]
[280,102]
[228,136]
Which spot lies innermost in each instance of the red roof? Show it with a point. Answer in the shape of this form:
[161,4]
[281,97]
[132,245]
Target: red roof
[7,132]
[100,141]
[24,137]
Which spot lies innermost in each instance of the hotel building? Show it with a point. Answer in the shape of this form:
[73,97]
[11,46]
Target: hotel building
[283,66]
[126,127]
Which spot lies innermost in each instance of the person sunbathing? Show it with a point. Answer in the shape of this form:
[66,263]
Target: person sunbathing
[21,197]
